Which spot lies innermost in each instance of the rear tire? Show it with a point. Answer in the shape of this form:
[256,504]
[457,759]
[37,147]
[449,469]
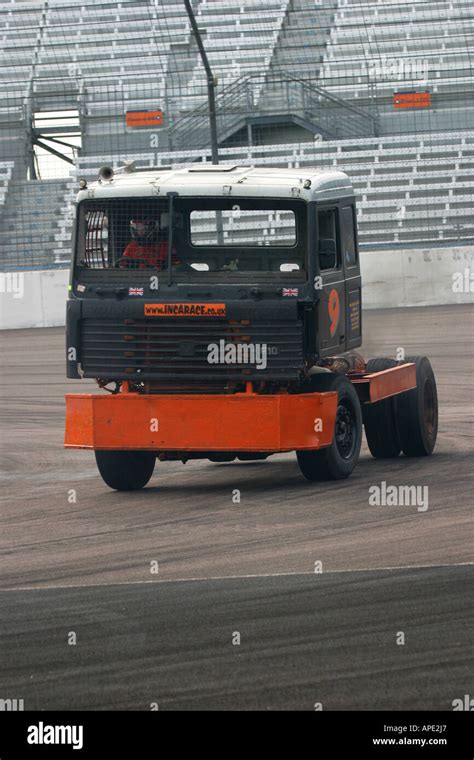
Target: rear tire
[335,462]
[380,419]
[417,411]
[125,470]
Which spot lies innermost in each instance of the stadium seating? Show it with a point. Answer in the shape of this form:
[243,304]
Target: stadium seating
[240,37]
[28,223]
[409,189]
[377,48]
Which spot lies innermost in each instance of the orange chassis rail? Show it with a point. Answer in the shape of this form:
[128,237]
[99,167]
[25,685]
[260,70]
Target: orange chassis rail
[236,422]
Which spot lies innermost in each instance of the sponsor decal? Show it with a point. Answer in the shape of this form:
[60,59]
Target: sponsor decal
[334,309]
[292,292]
[135,291]
[411,100]
[354,307]
[184,310]
[144,118]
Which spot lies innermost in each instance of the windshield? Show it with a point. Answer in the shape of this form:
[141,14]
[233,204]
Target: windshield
[211,238]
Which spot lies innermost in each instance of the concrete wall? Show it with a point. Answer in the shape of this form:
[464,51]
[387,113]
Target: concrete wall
[402,277]
[33,299]
[417,277]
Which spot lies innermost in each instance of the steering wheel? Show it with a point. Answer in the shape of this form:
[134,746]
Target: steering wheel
[127,262]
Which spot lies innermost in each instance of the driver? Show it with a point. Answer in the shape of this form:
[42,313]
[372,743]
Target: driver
[148,248]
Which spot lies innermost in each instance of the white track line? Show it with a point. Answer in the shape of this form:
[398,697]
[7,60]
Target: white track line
[235,577]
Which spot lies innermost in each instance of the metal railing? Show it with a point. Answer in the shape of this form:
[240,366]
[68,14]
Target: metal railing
[261,95]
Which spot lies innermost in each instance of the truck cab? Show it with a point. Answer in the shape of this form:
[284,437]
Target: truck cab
[273,251]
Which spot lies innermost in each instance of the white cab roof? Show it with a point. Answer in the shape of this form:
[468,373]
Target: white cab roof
[306,183]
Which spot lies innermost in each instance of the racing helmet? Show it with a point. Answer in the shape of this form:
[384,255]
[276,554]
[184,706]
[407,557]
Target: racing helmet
[142,228]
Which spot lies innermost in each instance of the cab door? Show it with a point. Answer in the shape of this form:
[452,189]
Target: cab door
[332,304]
[351,264]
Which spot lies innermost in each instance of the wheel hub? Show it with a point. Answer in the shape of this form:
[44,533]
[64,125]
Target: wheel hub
[345,430]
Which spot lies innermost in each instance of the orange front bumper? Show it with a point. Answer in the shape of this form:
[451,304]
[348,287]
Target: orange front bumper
[239,422]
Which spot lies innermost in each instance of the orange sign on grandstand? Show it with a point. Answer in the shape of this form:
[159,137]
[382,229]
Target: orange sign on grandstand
[411,100]
[144,118]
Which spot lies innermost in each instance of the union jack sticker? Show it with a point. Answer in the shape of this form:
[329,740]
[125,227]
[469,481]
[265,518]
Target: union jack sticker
[292,292]
[135,291]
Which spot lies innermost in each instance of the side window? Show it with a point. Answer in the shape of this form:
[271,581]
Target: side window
[327,239]
[349,252]
[95,243]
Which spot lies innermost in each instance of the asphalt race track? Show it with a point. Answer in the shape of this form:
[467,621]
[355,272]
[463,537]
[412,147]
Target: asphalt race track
[231,569]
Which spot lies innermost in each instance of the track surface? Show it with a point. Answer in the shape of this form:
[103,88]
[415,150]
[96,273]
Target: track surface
[228,567]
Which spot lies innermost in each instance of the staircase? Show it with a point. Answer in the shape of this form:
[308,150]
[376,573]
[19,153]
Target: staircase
[303,38]
[302,102]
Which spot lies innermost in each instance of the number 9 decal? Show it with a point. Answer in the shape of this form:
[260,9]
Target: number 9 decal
[334,308]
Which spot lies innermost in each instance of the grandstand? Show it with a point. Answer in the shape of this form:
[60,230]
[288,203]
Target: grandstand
[298,83]
[418,194]
[427,44]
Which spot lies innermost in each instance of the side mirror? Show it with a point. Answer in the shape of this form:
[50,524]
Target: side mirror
[327,253]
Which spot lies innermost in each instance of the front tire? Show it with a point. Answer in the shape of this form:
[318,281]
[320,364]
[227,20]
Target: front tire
[125,470]
[335,462]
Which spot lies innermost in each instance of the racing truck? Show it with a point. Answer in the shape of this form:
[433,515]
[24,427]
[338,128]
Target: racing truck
[219,309]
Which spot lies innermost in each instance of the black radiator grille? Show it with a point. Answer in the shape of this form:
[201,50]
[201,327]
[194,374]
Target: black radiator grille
[143,349]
